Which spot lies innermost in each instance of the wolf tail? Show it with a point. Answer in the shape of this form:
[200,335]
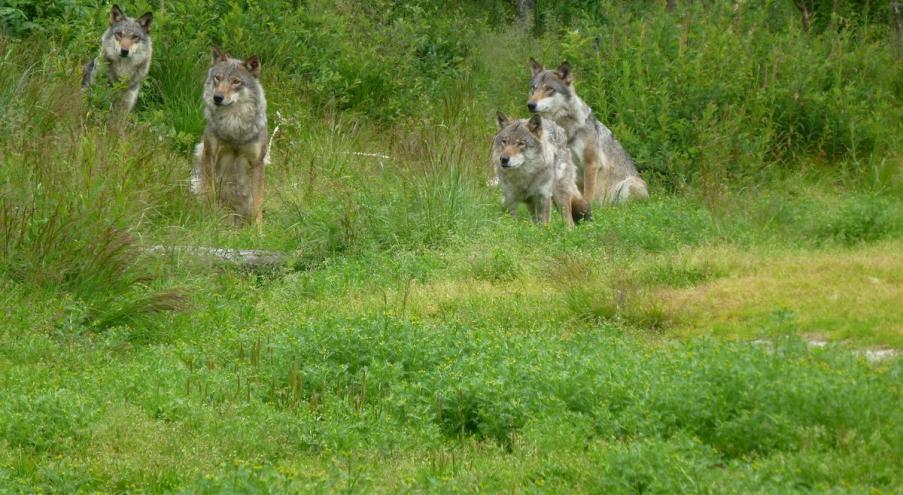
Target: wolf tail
[580,210]
[631,188]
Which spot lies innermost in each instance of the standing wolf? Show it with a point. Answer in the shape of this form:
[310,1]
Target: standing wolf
[534,166]
[605,172]
[231,155]
[125,56]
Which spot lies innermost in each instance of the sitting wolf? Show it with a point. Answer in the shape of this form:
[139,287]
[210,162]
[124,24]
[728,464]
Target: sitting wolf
[534,166]
[605,172]
[125,57]
[232,154]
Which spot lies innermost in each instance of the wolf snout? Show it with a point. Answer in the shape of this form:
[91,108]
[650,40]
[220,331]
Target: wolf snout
[124,52]
[531,106]
[218,99]
[505,161]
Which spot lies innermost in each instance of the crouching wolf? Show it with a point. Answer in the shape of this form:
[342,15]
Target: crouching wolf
[605,172]
[232,153]
[534,166]
[125,57]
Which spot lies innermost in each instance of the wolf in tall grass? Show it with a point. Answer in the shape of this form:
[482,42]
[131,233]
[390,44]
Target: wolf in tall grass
[125,57]
[232,154]
[605,172]
[534,166]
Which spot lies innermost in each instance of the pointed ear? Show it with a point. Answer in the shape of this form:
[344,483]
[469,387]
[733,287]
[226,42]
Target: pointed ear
[535,66]
[145,22]
[253,65]
[564,73]
[116,14]
[218,55]
[534,125]
[503,120]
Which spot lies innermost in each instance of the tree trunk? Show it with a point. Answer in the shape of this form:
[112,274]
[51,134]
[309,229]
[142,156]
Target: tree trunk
[805,13]
[895,8]
[524,8]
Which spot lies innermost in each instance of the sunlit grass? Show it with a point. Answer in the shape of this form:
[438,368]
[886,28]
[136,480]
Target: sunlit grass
[848,294]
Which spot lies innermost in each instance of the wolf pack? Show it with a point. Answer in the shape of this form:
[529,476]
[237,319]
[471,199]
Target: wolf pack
[561,155]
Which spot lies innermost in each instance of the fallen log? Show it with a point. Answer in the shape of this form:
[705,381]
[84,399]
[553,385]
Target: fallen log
[251,259]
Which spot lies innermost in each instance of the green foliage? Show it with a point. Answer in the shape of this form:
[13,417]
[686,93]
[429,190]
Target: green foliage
[498,265]
[51,421]
[859,219]
[699,414]
[728,95]
[424,342]
[21,17]
[703,95]
[65,208]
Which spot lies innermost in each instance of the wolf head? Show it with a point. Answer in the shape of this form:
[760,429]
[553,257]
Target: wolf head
[550,90]
[127,37]
[517,142]
[230,80]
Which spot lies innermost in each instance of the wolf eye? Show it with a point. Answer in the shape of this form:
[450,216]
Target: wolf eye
[134,37]
[520,144]
[118,36]
[217,78]
[549,90]
[235,81]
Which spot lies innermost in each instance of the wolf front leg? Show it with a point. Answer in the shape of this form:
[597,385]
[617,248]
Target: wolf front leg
[542,210]
[510,204]
[257,175]
[126,101]
[590,173]
[563,202]
[206,159]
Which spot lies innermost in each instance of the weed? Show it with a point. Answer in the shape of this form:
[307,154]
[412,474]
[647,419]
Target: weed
[613,296]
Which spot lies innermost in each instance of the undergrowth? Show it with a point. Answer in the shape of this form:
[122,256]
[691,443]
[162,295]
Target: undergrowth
[417,339]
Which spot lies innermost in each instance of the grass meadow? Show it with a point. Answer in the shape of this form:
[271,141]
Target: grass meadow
[417,339]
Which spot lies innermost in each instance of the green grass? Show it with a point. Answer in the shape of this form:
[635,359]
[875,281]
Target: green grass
[417,339]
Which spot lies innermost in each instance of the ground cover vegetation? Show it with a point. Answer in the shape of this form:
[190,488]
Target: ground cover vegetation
[417,339]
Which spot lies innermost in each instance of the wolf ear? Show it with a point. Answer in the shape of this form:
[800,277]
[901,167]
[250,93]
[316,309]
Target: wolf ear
[145,22]
[534,125]
[503,120]
[253,65]
[218,55]
[564,73]
[116,14]
[535,66]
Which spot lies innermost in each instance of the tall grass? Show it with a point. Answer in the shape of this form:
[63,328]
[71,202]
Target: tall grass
[739,92]
[72,196]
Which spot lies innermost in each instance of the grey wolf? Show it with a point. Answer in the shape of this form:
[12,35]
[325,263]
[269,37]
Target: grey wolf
[533,166]
[605,172]
[232,153]
[125,57]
